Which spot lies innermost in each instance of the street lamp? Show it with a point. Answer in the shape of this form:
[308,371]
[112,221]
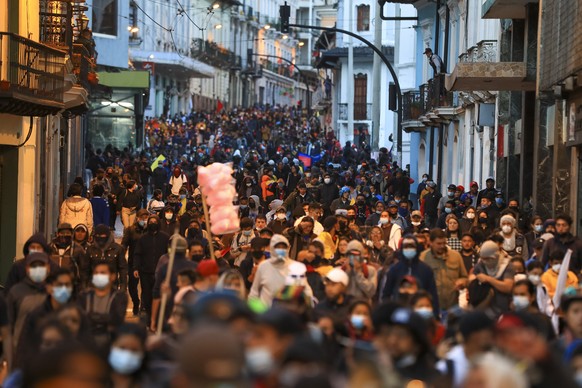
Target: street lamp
[218,26]
[267,26]
[215,6]
[301,44]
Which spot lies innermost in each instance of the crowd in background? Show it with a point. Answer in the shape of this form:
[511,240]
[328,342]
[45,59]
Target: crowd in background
[338,276]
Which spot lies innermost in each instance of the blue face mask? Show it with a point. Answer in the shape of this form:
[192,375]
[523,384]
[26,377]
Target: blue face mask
[125,362]
[358,321]
[280,253]
[62,294]
[409,253]
[142,223]
[499,201]
[267,254]
[448,210]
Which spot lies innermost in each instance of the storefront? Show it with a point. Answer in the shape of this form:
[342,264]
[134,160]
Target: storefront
[116,115]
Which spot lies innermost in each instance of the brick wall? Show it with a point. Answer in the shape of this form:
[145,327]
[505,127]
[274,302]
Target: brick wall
[561,39]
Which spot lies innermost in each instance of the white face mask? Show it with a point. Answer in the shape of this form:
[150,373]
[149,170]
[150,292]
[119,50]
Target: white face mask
[506,229]
[415,223]
[470,216]
[169,216]
[520,302]
[100,280]
[281,216]
[327,181]
[556,267]
[38,274]
[535,279]
[384,220]
[259,361]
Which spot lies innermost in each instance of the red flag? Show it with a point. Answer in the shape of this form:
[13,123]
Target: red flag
[219,106]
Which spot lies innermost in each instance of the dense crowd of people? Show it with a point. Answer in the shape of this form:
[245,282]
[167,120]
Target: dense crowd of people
[337,277]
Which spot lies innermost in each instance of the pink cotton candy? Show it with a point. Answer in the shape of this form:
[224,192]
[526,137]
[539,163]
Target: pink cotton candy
[217,184]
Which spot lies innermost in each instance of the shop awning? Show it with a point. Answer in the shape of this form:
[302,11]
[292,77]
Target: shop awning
[126,79]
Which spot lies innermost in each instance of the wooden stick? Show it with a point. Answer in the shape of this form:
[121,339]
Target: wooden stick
[164,302]
[207,222]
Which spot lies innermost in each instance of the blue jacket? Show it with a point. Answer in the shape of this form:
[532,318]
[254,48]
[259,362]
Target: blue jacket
[100,211]
[422,272]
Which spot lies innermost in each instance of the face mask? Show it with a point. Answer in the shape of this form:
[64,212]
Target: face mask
[169,216]
[499,201]
[101,241]
[142,223]
[450,193]
[197,258]
[247,232]
[249,184]
[397,200]
[35,251]
[361,202]
[64,241]
[556,267]
[425,312]
[62,294]
[409,253]
[327,181]
[448,210]
[100,280]
[384,220]
[252,205]
[154,227]
[470,216]
[486,205]
[539,228]
[38,274]
[424,179]
[482,220]
[357,321]
[193,232]
[259,360]
[415,223]
[506,229]
[535,279]
[520,302]
[280,253]
[281,216]
[124,362]
[257,254]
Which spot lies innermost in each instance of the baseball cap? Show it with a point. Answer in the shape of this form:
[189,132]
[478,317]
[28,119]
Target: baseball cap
[473,183]
[36,256]
[490,179]
[64,226]
[337,275]
[392,204]
[207,267]
[461,188]
[452,187]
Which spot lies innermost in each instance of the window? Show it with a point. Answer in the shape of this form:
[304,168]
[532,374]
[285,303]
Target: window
[363,17]
[360,96]
[104,18]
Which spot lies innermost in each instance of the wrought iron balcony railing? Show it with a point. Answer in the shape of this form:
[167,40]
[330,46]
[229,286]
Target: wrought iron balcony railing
[412,105]
[213,54]
[30,71]
[434,95]
[361,111]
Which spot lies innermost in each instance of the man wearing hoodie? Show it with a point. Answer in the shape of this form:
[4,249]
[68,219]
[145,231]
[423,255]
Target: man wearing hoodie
[131,236]
[36,243]
[76,210]
[408,264]
[148,250]
[328,191]
[105,249]
[63,252]
[271,274]
[29,293]
[563,241]
[168,222]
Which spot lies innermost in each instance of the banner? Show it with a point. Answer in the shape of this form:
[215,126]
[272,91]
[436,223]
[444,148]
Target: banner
[156,162]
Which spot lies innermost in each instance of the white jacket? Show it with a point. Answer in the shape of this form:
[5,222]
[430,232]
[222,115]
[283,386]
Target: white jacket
[77,210]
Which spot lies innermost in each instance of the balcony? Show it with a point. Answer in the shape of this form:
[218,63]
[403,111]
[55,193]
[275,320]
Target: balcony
[214,55]
[477,70]
[283,68]
[504,9]
[412,109]
[362,112]
[436,102]
[32,77]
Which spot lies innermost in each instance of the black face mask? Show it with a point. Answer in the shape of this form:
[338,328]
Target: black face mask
[482,220]
[361,203]
[101,241]
[316,261]
[193,232]
[257,255]
[154,227]
[252,205]
[63,241]
[514,208]
[197,258]
[343,226]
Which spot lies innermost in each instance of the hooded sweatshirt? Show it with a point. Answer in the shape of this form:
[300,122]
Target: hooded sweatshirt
[77,210]
[272,274]
[18,270]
